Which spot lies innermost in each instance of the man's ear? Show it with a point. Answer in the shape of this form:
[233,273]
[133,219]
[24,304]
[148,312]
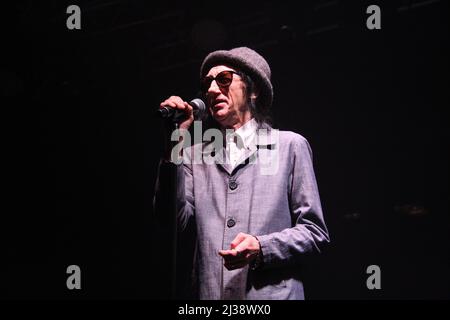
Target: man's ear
[255,94]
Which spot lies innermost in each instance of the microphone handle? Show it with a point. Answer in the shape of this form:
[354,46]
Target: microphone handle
[176,115]
[166,113]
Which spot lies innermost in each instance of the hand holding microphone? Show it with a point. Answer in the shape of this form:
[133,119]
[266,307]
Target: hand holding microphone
[181,111]
[178,110]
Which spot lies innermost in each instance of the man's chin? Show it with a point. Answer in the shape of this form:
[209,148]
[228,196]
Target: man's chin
[219,116]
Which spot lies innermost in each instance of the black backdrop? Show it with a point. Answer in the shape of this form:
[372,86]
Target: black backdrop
[80,146]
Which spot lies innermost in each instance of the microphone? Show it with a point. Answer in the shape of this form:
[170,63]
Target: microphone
[166,112]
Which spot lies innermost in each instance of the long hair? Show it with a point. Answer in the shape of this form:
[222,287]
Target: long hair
[258,109]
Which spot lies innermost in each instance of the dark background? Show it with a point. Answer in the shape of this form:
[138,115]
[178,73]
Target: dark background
[80,146]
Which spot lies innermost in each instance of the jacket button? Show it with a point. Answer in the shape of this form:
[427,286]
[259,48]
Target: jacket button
[231,223]
[233,185]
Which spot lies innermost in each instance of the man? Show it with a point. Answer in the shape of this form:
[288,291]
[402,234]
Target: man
[253,227]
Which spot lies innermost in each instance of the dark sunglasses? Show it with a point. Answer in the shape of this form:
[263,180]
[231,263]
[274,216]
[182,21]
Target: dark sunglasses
[223,80]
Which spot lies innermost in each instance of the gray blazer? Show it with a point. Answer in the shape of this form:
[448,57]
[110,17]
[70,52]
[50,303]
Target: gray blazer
[281,207]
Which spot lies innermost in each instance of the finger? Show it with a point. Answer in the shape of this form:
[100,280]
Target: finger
[239,238]
[176,99]
[228,253]
[167,103]
[189,108]
[174,102]
[243,246]
[235,253]
[224,253]
[234,260]
[179,104]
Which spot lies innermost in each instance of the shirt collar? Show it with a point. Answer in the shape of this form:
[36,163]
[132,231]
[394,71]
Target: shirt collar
[264,137]
[245,133]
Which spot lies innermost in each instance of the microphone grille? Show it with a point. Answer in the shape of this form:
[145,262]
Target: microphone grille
[198,105]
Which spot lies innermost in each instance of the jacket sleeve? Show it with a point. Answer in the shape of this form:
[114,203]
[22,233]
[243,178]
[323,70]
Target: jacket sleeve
[309,231]
[184,193]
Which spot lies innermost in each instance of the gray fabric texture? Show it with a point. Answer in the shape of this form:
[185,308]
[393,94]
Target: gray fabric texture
[282,210]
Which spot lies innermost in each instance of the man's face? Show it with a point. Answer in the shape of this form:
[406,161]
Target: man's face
[227,104]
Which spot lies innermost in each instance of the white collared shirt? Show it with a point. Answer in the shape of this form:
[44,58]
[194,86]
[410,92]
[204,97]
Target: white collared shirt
[237,142]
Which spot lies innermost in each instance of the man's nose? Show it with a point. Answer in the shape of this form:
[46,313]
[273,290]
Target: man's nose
[213,87]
